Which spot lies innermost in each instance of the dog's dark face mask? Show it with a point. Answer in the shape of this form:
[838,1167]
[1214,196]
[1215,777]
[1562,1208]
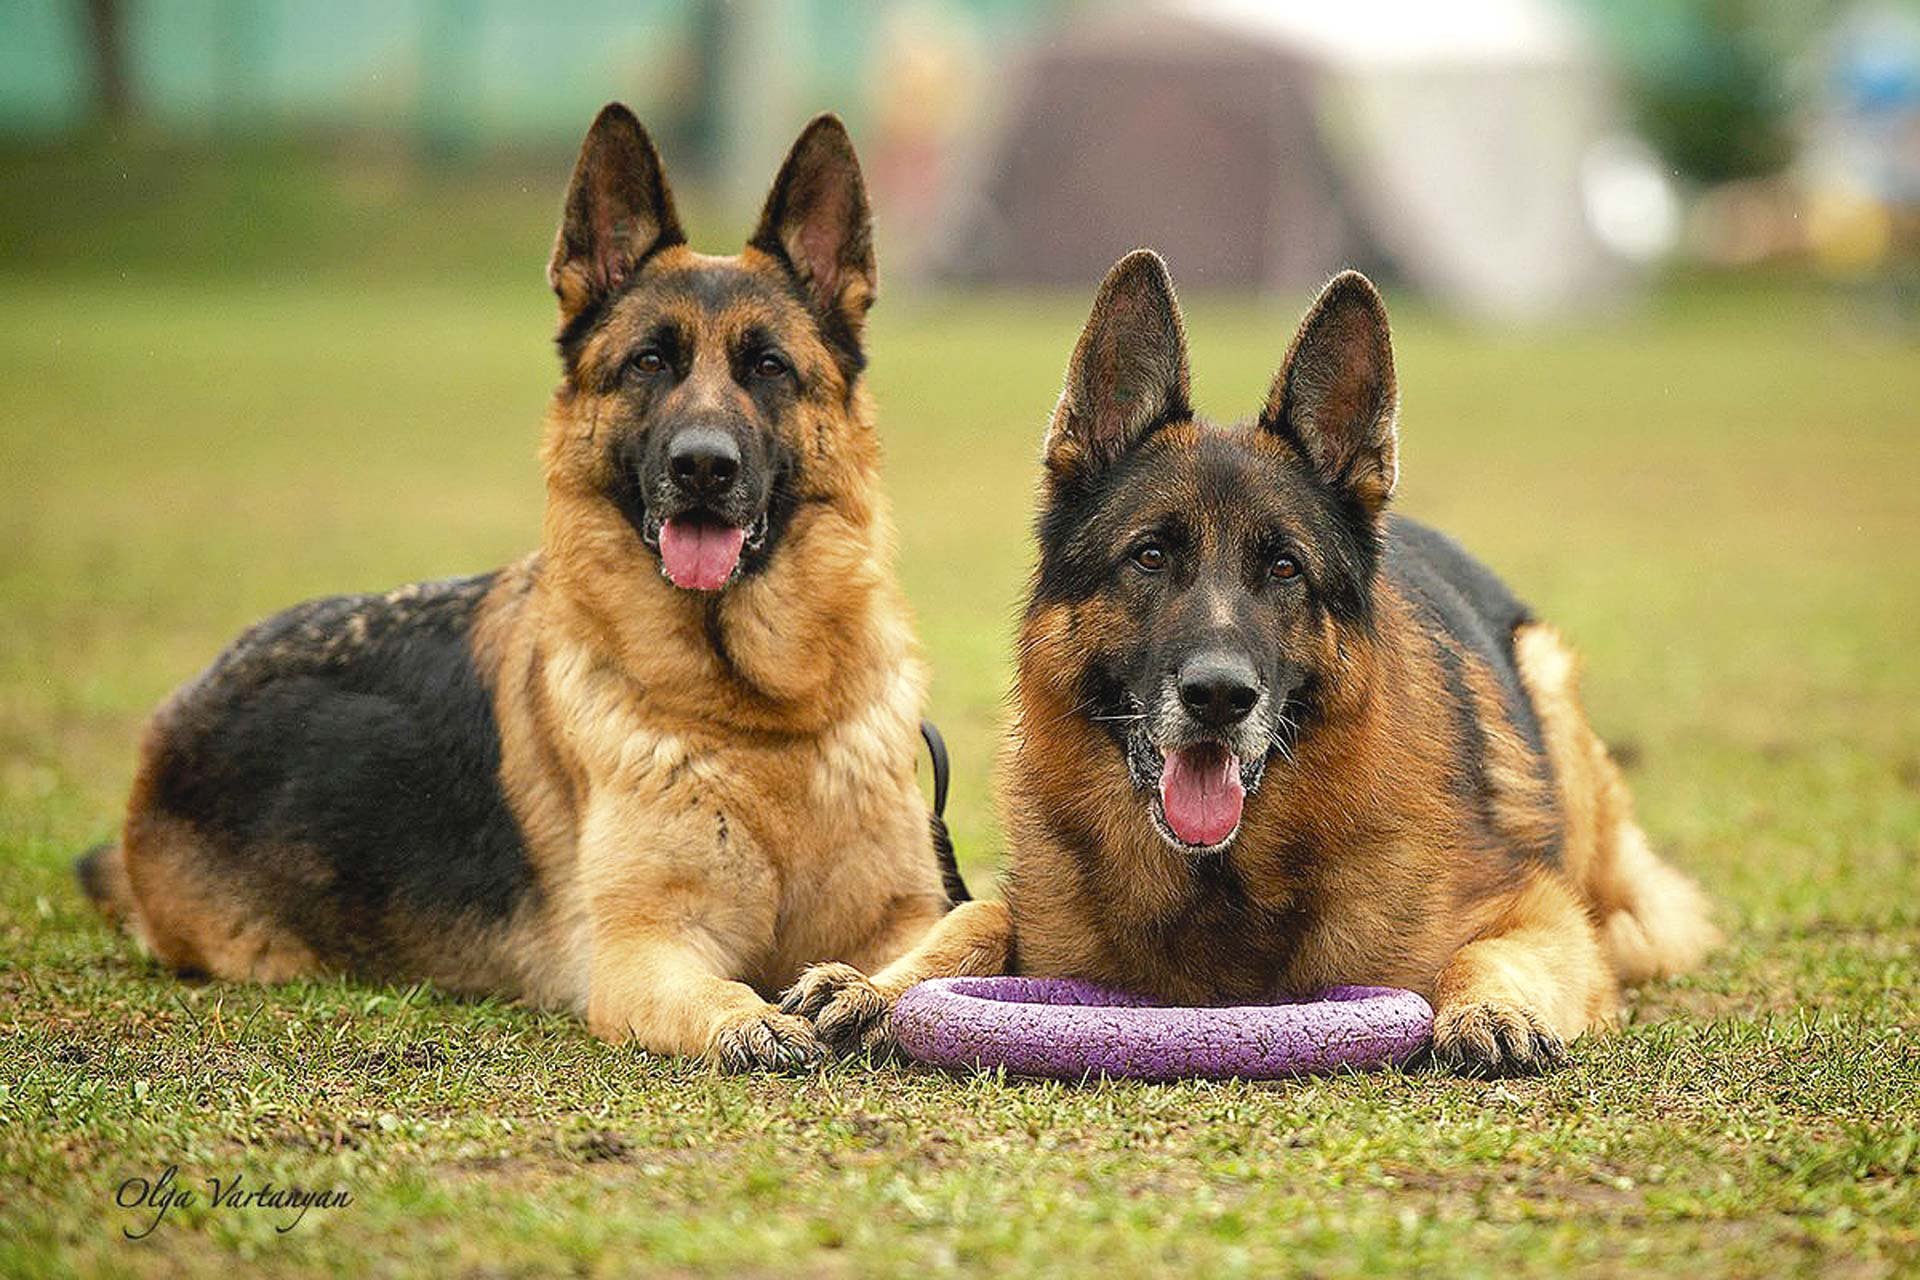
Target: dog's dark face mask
[1210,570]
[708,378]
[706,419]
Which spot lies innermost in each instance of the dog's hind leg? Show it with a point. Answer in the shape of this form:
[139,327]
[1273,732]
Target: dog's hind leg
[1654,922]
[198,913]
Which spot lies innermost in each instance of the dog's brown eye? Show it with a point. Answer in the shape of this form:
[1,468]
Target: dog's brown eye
[649,362]
[1286,567]
[769,365]
[1152,557]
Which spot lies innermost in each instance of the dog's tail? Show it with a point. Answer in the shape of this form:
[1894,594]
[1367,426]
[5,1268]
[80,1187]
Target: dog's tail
[102,872]
[950,877]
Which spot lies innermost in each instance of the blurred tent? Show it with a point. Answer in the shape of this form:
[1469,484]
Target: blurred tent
[1266,145]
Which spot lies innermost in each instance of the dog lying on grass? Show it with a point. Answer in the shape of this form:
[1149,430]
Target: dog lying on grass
[1269,738]
[645,773]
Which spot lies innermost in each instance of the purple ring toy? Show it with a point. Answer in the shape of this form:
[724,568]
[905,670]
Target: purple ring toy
[1070,1030]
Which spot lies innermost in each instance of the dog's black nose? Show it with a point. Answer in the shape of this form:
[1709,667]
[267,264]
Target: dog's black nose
[1218,689]
[703,461]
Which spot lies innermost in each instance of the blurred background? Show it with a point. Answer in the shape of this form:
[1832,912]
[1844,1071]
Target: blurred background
[1506,158]
[273,324]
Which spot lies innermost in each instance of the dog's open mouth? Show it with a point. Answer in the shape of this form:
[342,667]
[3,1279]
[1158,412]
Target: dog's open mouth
[701,551]
[1200,796]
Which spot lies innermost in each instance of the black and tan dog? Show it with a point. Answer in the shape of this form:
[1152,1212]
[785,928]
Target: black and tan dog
[1270,739]
[646,773]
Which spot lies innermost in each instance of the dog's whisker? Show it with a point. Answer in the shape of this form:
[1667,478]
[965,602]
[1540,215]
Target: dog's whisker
[1073,710]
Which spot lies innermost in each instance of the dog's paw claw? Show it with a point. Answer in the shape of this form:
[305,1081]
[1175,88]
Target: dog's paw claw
[847,1010]
[1491,1038]
[767,1041]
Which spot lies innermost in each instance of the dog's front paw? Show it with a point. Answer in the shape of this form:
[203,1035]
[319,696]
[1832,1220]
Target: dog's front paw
[765,1040]
[847,1010]
[1493,1038]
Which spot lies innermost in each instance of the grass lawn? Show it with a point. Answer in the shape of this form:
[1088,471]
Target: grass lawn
[1714,496]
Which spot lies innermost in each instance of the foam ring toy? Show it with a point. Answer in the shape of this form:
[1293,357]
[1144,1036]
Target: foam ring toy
[1070,1030]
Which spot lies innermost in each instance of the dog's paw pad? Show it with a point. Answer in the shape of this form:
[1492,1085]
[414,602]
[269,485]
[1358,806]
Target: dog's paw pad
[1493,1038]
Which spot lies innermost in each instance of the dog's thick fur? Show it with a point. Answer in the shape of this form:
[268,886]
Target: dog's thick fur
[571,780]
[1426,804]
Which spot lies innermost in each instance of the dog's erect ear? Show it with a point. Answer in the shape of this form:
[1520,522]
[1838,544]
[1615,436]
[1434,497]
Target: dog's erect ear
[1129,369]
[618,212]
[1334,399]
[817,222]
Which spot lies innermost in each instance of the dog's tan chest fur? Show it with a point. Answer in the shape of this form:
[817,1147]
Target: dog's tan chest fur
[825,826]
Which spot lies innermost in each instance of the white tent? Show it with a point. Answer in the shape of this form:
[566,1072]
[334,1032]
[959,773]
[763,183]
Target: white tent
[1267,143]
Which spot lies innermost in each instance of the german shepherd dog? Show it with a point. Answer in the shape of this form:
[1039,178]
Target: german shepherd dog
[1270,739]
[649,771]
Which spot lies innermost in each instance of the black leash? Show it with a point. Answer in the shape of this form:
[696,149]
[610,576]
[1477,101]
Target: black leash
[942,767]
[942,839]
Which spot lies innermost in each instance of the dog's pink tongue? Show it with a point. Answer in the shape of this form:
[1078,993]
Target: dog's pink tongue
[700,552]
[1201,795]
